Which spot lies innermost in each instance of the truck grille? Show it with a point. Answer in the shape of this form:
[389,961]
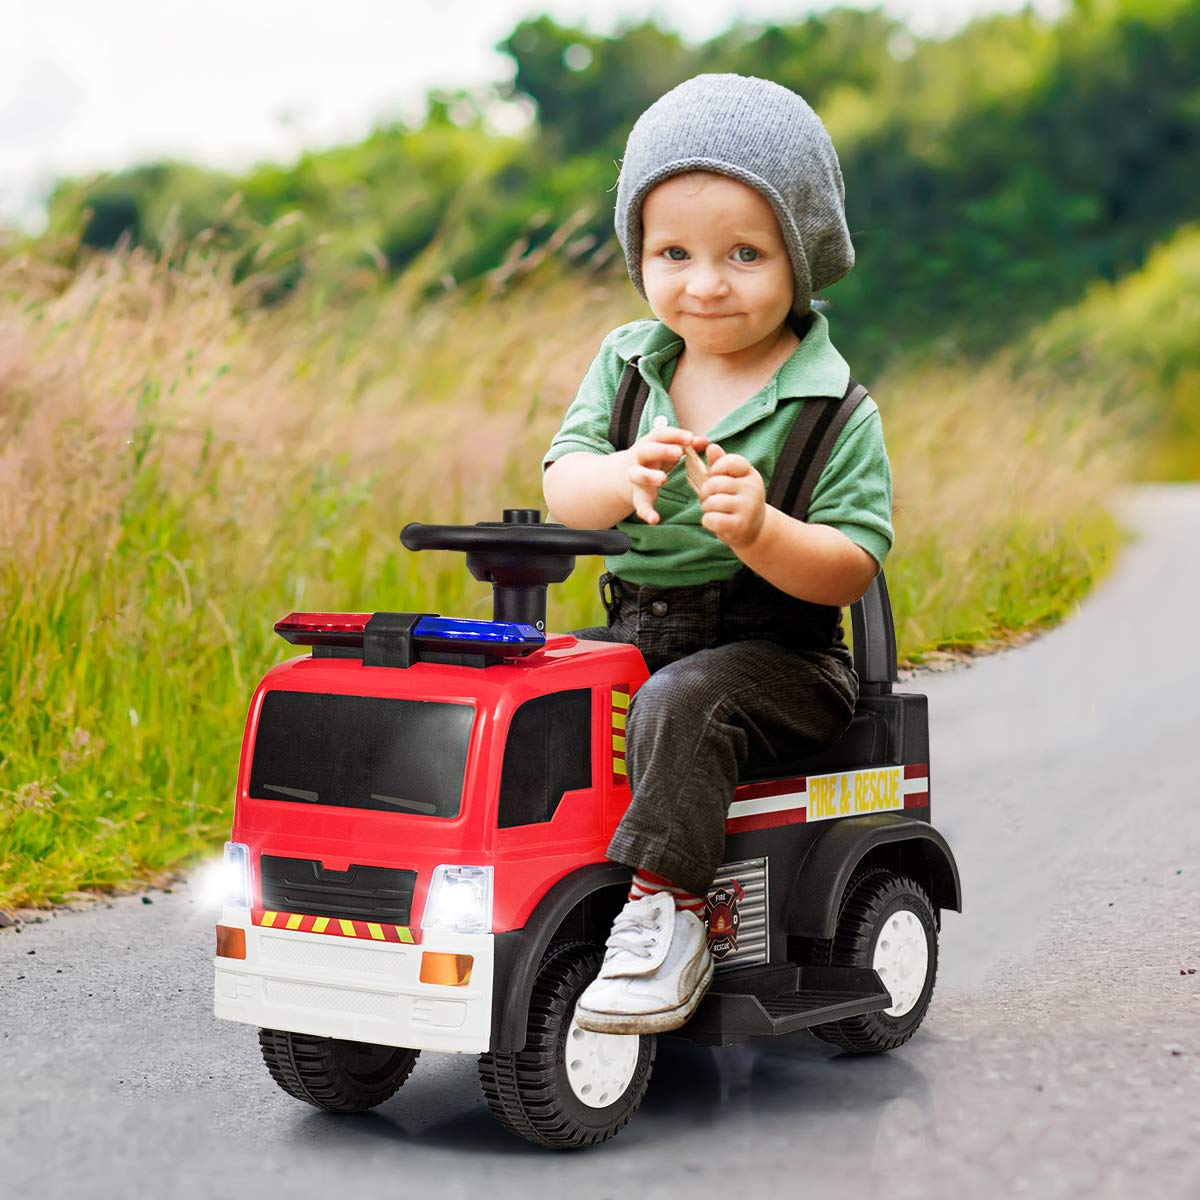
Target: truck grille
[300,885]
[751,941]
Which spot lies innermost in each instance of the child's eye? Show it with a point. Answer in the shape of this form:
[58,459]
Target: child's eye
[746,254]
[675,253]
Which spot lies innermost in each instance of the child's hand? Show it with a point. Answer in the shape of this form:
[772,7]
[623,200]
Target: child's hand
[651,457]
[732,499]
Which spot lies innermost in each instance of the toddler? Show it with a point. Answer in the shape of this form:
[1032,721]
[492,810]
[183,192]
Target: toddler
[730,214]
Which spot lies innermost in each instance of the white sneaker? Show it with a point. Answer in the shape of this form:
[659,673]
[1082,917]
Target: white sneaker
[655,971]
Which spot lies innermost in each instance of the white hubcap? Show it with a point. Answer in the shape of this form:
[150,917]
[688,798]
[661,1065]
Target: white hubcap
[600,1066]
[902,960]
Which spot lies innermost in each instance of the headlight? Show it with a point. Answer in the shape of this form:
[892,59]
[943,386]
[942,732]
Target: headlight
[460,900]
[236,892]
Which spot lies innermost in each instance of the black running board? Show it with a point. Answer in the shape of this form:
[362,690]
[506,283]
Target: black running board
[769,1001]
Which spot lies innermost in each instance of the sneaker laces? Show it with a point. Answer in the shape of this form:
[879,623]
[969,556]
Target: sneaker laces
[631,935]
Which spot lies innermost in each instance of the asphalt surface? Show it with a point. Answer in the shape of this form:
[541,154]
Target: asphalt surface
[1060,1056]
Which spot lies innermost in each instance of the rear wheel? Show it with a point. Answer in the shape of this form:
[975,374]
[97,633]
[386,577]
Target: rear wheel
[568,1087]
[887,923]
[336,1075]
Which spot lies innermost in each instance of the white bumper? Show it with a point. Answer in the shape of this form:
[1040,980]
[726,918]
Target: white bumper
[357,990]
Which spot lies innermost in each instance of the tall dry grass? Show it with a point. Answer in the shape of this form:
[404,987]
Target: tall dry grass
[180,467]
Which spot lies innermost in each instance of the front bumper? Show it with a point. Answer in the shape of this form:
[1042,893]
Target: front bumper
[356,990]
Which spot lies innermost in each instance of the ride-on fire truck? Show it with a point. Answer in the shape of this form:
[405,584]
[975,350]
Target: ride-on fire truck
[417,857]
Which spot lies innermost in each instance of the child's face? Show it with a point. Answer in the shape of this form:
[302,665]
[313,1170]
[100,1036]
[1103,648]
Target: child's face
[714,264]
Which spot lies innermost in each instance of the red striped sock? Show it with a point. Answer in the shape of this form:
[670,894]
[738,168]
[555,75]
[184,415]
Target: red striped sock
[646,883]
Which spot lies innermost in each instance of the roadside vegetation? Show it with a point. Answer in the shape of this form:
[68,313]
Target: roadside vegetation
[222,397]
[181,467]
[1010,165]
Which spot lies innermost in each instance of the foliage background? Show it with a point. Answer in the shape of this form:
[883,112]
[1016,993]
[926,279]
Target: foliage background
[221,397]
[992,178]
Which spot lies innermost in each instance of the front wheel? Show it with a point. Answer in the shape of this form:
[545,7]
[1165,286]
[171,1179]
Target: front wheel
[568,1087]
[887,923]
[335,1075]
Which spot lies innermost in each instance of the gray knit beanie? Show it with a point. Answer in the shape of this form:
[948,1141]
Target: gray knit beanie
[760,133]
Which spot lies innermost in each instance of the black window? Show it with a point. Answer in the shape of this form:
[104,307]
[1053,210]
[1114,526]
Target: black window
[549,751]
[405,756]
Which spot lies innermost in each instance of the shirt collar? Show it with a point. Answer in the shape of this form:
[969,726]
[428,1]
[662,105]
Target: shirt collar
[814,368]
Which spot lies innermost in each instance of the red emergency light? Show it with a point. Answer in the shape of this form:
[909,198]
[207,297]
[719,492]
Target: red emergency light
[323,629]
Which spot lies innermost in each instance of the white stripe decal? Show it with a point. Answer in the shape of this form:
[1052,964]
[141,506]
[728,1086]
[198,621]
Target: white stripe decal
[912,786]
[767,804]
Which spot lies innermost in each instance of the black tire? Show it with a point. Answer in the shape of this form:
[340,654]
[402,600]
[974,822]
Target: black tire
[871,898]
[335,1075]
[529,1091]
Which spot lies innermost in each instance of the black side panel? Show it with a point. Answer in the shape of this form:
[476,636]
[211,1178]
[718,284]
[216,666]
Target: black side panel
[581,906]
[548,752]
[299,885]
[864,744]
[912,743]
[886,729]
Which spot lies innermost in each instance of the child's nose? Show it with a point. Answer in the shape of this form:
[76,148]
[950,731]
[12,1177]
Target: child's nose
[706,280]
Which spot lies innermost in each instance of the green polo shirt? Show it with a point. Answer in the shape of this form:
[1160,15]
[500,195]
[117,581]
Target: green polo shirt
[853,494]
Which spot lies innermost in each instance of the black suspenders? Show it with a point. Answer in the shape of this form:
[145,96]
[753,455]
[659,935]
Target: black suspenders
[632,393]
[808,448]
[804,454]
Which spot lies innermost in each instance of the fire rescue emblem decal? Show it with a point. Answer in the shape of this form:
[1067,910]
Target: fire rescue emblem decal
[723,919]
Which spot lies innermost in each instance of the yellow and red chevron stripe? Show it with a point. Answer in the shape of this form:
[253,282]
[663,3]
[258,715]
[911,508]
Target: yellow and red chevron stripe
[620,710]
[368,931]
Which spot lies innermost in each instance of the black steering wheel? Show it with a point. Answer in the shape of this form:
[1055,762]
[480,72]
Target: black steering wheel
[524,537]
[518,556]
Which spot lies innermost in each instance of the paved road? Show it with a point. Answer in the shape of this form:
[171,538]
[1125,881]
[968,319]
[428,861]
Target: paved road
[1061,1055]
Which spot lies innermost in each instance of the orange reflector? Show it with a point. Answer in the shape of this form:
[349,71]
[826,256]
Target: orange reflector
[231,942]
[450,970]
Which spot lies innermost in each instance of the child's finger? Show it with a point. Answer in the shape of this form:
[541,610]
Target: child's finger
[730,464]
[719,483]
[669,434]
[717,523]
[653,454]
[713,452]
[720,502]
[647,477]
[645,509]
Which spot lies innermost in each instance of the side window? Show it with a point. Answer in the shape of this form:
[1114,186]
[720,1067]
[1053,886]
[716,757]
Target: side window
[549,752]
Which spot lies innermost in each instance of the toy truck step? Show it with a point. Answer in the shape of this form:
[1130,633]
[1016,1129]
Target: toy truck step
[770,1001]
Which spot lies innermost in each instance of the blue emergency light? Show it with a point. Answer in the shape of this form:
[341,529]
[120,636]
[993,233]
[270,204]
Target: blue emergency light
[453,633]
[459,629]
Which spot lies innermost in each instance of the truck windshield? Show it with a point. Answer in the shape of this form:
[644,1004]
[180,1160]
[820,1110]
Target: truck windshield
[404,756]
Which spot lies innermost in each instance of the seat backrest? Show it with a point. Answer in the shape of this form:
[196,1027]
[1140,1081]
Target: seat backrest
[874,639]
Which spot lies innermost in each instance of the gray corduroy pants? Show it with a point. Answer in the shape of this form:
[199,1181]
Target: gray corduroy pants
[731,681]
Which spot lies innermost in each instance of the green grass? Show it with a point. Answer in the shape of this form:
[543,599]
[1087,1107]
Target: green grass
[179,469]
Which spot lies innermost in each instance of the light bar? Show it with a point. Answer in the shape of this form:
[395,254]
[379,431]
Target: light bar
[499,639]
